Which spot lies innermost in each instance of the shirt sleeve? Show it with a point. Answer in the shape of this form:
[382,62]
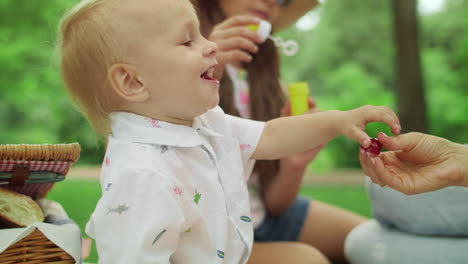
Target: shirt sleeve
[139,219]
[248,133]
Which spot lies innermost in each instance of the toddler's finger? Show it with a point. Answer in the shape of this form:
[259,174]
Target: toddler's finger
[384,114]
[360,137]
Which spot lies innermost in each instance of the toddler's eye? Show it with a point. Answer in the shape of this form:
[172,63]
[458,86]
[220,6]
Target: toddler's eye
[188,43]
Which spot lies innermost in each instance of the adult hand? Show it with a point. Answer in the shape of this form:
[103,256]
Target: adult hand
[300,160]
[235,41]
[417,163]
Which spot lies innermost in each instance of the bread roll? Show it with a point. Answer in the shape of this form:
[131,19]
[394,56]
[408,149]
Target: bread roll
[18,210]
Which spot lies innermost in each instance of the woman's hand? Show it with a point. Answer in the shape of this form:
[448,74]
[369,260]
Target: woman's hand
[235,41]
[298,161]
[417,163]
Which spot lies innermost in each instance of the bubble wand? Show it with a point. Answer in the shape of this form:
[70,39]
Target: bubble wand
[263,29]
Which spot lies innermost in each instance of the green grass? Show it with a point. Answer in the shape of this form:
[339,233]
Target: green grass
[79,198]
[353,198]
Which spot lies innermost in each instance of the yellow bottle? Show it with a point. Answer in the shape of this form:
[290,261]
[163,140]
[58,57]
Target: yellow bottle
[298,95]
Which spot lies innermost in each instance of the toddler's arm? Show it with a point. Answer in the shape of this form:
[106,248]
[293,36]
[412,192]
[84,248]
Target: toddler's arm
[289,135]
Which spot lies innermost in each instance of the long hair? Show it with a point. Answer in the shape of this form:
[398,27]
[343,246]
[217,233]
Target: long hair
[266,95]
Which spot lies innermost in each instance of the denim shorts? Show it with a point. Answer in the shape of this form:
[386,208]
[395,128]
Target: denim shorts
[284,227]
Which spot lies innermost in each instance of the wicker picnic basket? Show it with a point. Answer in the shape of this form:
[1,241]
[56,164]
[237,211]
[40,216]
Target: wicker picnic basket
[33,170]
[35,249]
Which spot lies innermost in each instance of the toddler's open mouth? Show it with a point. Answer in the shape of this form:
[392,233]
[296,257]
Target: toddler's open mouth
[208,75]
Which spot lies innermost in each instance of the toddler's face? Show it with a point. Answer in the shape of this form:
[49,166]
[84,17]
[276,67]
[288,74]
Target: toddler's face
[173,59]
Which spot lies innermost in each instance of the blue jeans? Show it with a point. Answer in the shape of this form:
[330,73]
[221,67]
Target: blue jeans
[284,227]
[425,228]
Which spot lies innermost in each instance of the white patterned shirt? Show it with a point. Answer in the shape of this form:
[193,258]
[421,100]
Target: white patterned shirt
[176,194]
[242,103]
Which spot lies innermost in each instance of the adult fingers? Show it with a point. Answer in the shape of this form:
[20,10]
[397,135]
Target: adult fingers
[220,34]
[363,161]
[237,43]
[368,165]
[382,174]
[286,110]
[404,142]
[240,20]
[312,106]
[233,56]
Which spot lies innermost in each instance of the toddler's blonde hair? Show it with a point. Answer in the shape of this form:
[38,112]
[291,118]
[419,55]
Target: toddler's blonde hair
[88,47]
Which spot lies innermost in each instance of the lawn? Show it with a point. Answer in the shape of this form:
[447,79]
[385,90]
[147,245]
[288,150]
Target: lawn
[79,197]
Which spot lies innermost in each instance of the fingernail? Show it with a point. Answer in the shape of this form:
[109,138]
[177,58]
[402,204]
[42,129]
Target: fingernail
[256,49]
[383,134]
[249,58]
[366,143]
[361,150]
[397,128]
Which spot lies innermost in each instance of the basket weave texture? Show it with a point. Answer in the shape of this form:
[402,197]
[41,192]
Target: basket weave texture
[43,152]
[56,158]
[35,249]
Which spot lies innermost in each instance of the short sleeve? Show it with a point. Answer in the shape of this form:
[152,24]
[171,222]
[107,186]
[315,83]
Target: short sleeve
[138,219]
[248,133]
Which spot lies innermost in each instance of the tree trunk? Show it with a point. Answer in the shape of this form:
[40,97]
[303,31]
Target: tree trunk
[409,83]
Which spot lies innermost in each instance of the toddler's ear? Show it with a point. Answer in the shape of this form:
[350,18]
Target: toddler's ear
[127,84]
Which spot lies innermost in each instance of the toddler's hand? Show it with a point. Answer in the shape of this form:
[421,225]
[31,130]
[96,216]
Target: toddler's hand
[354,122]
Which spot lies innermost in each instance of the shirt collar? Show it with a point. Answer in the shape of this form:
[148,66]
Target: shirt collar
[140,129]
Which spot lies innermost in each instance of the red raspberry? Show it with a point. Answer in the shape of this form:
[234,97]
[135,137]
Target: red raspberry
[374,147]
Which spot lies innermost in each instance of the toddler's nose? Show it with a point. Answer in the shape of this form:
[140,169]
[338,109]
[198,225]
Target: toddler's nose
[210,48]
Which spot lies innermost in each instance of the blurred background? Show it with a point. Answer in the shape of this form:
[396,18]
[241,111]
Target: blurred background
[349,54]
[409,55]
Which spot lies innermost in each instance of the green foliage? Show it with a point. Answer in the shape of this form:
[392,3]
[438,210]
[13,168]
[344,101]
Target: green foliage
[34,107]
[347,61]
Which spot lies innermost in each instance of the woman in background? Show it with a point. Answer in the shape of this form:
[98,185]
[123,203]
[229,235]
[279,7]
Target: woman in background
[287,228]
